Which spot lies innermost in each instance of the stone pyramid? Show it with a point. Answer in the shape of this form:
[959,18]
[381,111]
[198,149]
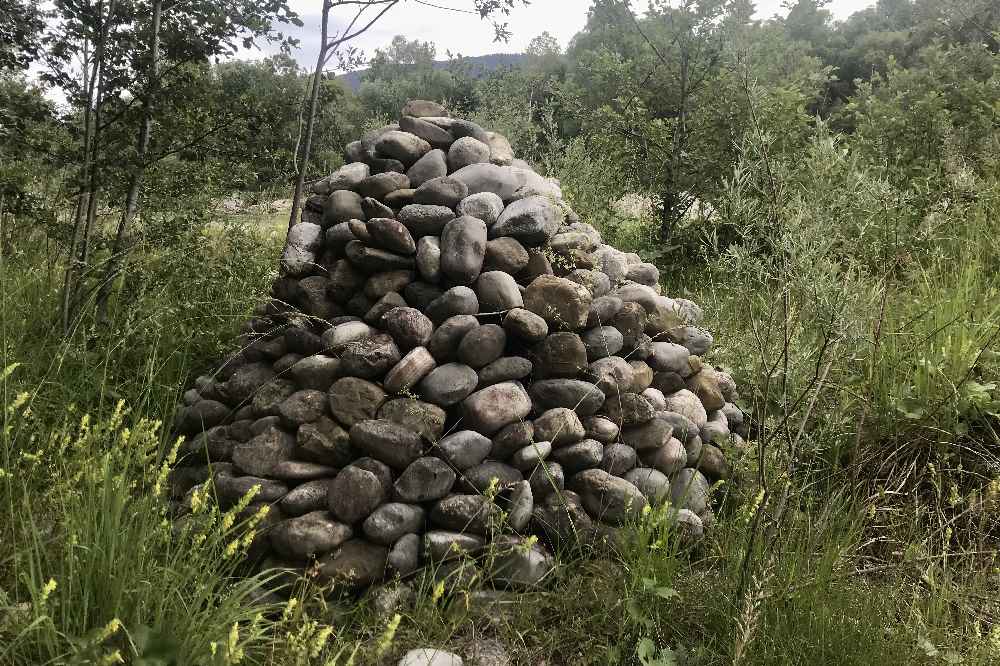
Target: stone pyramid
[452,359]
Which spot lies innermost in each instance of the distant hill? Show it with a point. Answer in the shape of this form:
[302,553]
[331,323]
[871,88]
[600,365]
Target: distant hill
[480,65]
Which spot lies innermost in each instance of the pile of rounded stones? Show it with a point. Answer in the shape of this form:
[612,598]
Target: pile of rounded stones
[451,362]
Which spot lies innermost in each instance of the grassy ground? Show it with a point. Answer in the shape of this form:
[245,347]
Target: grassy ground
[857,529]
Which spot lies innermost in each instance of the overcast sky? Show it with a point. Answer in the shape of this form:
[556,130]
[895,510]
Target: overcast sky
[469,36]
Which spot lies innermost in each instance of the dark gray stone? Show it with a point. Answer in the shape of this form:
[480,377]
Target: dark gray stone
[463,247]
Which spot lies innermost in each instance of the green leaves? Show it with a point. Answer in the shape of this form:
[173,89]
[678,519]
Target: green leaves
[648,654]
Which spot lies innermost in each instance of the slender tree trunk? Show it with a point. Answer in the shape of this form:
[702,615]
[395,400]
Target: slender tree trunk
[69,278]
[93,73]
[671,196]
[95,184]
[300,180]
[118,249]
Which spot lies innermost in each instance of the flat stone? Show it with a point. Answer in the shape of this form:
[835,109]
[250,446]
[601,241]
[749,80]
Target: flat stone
[448,384]
[389,442]
[560,426]
[427,131]
[391,235]
[520,506]
[303,242]
[602,342]
[324,441]
[337,337]
[347,177]
[691,490]
[203,415]
[655,398]
[231,489]
[374,208]
[353,400]
[443,344]
[512,438]
[533,221]
[379,185]
[296,471]
[687,404]
[315,372]
[546,479]
[603,310]
[354,494]
[463,449]
[422,108]
[648,436]
[670,357]
[421,417]
[308,536]
[612,375]
[520,565]
[526,459]
[628,409]
[424,480]
[404,556]
[602,429]
[504,369]
[563,303]
[463,248]
[425,220]
[303,407]
[498,292]
[505,254]
[705,385]
[502,181]
[375,260]
[266,401]
[618,459]
[440,545]
[501,152]
[261,454]
[421,294]
[408,327]
[356,563]
[393,520]
[447,191]
[409,371]
[608,498]
[563,520]
[596,282]
[668,458]
[582,397]
[466,151]
[463,513]
[490,409]
[402,146]
[306,498]
[456,301]
[642,376]
[652,483]
[375,311]
[485,206]
[482,345]
[429,258]
[432,165]
[585,454]
[371,357]
[560,354]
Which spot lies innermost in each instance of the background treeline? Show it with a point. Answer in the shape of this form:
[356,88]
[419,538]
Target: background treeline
[829,192]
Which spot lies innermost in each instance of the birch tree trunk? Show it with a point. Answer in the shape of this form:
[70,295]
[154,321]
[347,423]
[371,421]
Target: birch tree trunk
[118,250]
[300,179]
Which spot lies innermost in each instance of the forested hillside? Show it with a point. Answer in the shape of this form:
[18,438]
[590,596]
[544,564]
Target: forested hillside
[828,192]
